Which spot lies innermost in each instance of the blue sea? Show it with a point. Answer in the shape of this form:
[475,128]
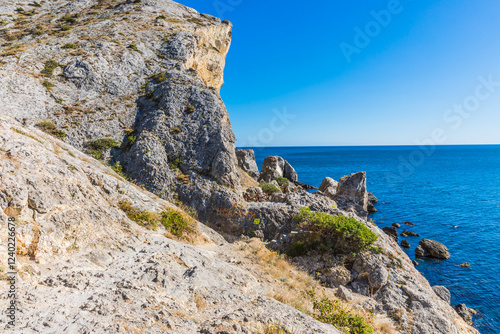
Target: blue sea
[450,193]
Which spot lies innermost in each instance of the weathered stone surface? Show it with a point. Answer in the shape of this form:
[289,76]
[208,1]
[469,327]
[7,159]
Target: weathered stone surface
[246,161]
[329,187]
[442,293]
[274,167]
[344,293]
[352,194]
[378,278]
[80,256]
[338,275]
[396,225]
[431,248]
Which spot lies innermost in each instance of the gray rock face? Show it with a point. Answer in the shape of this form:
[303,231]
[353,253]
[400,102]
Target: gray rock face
[81,256]
[431,248]
[442,293]
[246,161]
[378,278]
[329,187]
[344,293]
[274,167]
[371,202]
[352,194]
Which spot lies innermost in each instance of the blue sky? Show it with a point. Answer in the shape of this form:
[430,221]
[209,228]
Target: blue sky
[410,71]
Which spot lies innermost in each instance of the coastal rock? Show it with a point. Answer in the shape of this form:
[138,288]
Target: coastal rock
[415,263]
[378,278]
[405,244]
[465,312]
[408,224]
[371,201]
[274,167]
[431,248]
[391,231]
[465,265]
[329,187]
[442,293]
[352,194]
[246,161]
[409,234]
[396,225]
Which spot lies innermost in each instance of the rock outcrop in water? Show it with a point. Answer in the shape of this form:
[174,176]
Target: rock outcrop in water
[136,85]
[431,248]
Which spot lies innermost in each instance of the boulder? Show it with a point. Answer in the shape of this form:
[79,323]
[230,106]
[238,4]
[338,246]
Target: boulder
[415,263]
[246,161]
[391,231]
[406,233]
[396,225]
[442,293]
[378,277]
[465,265]
[344,293]
[352,194]
[431,248]
[465,312]
[408,224]
[274,167]
[405,244]
[329,187]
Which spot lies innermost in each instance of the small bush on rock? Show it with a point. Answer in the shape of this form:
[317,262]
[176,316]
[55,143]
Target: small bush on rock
[335,234]
[51,129]
[269,188]
[97,147]
[282,180]
[331,312]
[175,222]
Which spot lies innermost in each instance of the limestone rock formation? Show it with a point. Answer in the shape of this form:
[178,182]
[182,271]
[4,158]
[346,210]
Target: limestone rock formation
[329,187]
[431,248]
[465,312]
[274,167]
[246,161]
[352,194]
[392,231]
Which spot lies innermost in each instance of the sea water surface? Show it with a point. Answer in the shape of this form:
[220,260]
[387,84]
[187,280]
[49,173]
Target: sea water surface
[450,193]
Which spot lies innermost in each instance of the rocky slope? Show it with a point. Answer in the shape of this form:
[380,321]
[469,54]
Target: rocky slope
[136,85]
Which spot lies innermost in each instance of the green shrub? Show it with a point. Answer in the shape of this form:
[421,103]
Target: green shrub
[189,109]
[65,28]
[269,188]
[51,129]
[335,234]
[118,168]
[49,67]
[97,147]
[160,77]
[70,46]
[142,217]
[48,85]
[298,248]
[176,162]
[332,312]
[176,130]
[133,47]
[175,222]
[282,180]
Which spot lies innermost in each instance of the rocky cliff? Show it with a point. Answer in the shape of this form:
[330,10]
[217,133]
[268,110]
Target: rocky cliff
[134,85]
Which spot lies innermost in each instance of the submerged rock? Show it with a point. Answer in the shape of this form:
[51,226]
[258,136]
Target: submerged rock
[246,161]
[465,265]
[431,248]
[396,225]
[405,244]
[409,234]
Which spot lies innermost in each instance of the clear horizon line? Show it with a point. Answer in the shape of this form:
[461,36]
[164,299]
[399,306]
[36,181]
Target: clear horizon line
[379,145]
